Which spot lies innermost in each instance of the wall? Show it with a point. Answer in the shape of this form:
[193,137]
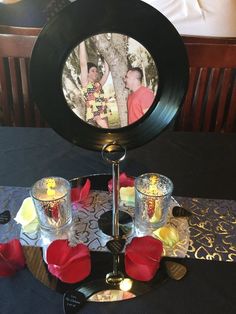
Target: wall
[190,17]
[30,12]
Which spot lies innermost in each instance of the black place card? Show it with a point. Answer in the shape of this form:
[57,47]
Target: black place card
[73,301]
[5,217]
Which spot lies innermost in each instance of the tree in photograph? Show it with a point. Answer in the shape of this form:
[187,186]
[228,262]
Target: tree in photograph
[121,53]
[113,47]
[71,84]
[142,59]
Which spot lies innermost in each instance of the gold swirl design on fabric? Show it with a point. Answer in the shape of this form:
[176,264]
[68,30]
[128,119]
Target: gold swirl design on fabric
[210,233]
[231,257]
[212,229]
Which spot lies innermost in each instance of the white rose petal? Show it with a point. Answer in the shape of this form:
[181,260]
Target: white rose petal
[31,227]
[127,194]
[26,213]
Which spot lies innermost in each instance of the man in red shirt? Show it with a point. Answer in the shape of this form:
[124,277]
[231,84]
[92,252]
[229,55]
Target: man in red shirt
[140,98]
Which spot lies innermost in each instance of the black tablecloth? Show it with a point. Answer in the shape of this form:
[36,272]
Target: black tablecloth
[209,288]
[200,165]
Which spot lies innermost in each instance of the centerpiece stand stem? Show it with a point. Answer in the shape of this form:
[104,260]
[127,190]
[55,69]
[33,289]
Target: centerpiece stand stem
[114,153]
[115,196]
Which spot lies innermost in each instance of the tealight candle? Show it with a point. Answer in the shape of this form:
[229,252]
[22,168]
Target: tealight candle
[152,198]
[52,202]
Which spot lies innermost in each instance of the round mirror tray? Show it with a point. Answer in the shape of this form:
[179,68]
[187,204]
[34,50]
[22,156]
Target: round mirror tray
[85,229]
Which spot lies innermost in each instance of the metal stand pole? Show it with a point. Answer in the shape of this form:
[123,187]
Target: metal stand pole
[114,153]
[115,196]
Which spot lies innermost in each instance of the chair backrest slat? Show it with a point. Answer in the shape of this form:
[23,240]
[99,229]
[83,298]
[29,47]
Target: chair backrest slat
[16,46]
[4,101]
[210,102]
[16,90]
[198,98]
[211,55]
[231,118]
[209,105]
[221,109]
[211,97]
[28,109]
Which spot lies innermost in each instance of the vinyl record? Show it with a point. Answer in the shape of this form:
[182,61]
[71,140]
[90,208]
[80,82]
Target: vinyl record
[137,288]
[83,19]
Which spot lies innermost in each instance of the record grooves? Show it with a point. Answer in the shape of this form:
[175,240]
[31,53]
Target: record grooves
[85,18]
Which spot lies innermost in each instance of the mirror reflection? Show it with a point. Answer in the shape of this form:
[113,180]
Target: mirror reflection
[111,296]
[109,80]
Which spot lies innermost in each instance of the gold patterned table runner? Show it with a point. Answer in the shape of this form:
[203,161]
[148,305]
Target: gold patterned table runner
[212,225]
[212,228]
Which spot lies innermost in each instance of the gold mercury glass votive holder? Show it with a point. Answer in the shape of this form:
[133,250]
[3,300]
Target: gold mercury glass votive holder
[152,200]
[52,201]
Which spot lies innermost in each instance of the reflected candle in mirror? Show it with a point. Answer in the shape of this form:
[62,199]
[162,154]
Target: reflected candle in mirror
[52,200]
[152,198]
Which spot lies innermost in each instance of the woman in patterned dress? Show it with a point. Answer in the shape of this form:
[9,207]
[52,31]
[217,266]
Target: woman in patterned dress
[96,107]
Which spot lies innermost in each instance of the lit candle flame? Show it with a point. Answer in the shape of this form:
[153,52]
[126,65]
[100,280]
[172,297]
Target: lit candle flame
[154,211]
[153,185]
[51,184]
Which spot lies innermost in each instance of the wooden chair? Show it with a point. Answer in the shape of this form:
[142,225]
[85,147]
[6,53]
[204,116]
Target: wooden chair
[210,102]
[18,109]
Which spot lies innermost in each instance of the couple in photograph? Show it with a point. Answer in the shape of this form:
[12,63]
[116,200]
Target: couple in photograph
[139,100]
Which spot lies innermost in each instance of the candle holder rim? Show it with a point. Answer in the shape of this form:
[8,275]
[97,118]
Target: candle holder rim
[169,192]
[50,200]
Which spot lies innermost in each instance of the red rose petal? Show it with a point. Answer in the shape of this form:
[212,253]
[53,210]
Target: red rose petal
[136,256]
[79,194]
[142,257]
[147,246]
[140,272]
[85,190]
[69,264]
[75,194]
[151,208]
[124,181]
[55,212]
[11,258]
[61,252]
[75,271]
